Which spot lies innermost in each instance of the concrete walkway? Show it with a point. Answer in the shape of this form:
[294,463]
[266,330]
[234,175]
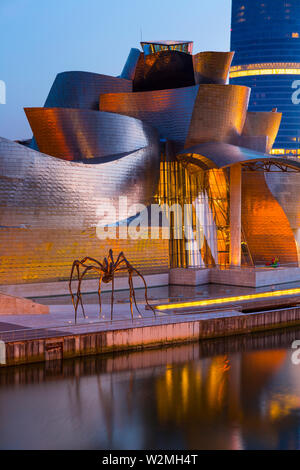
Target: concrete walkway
[39,338]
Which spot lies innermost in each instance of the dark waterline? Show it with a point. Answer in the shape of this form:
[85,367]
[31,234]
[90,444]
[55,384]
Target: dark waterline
[234,393]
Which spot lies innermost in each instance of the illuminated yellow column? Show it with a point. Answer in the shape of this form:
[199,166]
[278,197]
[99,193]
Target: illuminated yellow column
[235,214]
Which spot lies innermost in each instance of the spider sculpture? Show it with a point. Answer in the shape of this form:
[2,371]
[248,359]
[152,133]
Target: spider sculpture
[106,271]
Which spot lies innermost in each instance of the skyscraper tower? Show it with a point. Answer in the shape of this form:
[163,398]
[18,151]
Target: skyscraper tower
[266,39]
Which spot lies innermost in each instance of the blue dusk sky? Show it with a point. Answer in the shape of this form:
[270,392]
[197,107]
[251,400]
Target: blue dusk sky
[40,38]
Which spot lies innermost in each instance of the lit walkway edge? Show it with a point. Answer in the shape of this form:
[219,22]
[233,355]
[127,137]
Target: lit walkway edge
[190,329]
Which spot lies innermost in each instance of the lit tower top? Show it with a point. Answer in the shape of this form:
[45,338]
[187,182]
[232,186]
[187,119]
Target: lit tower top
[265,35]
[150,47]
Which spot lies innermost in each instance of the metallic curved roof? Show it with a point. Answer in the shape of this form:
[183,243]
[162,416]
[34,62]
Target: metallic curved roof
[263,124]
[82,134]
[39,190]
[219,114]
[222,155]
[212,67]
[169,111]
[130,66]
[82,89]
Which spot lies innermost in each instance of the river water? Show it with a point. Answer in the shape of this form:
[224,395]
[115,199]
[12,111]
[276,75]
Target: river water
[233,393]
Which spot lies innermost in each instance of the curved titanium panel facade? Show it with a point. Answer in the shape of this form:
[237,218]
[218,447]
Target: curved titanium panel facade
[64,185]
[139,73]
[266,227]
[265,124]
[80,134]
[212,67]
[82,89]
[219,155]
[169,111]
[50,211]
[219,114]
[163,70]
[285,187]
[128,71]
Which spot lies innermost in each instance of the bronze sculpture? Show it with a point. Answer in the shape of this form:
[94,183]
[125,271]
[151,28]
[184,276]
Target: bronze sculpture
[106,271]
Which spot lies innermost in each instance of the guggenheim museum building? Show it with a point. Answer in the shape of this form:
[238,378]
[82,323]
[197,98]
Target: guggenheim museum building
[170,132]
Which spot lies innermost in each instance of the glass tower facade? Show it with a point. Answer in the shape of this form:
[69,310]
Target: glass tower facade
[266,39]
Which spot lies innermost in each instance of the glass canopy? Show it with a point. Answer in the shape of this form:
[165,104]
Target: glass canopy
[156,46]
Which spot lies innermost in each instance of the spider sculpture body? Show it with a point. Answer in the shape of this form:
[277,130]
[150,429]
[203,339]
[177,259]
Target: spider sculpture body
[106,271]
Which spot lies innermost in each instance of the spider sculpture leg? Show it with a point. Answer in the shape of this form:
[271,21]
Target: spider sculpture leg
[112,297]
[93,260]
[99,294]
[118,267]
[79,299]
[130,295]
[99,267]
[110,256]
[146,295]
[80,278]
[122,259]
[76,266]
[79,295]
[133,293]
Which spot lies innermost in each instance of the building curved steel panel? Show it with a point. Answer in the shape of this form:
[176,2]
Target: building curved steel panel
[266,227]
[129,69]
[139,73]
[219,114]
[285,187]
[82,89]
[81,134]
[164,70]
[220,155]
[49,181]
[169,111]
[257,143]
[263,124]
[50,209]
[212,67]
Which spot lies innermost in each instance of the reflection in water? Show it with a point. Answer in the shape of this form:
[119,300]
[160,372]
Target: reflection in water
[234,393]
